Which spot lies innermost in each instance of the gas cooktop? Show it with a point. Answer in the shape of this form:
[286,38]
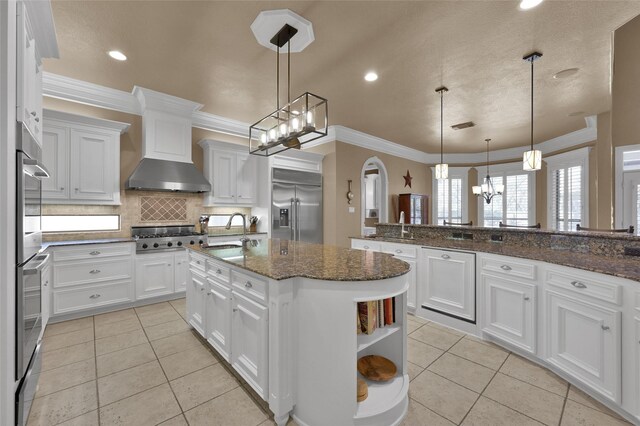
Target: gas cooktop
[171,237]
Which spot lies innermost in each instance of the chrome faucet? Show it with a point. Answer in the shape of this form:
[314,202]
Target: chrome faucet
[402,231]
[244,240]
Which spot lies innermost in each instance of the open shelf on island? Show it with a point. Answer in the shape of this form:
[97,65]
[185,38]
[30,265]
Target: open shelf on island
[366,340]
[382,396]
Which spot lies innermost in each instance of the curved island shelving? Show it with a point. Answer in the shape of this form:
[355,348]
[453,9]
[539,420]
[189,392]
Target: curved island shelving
[283,315]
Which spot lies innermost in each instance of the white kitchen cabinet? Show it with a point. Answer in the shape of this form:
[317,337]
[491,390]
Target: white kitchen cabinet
[232,172]
[584,340]
[45,295]
[154,275]
[196,300]
[218,318]
[82,155]
[448,283]
[249,349]
[510,311]
[55,155]
[181,271]
[366,245]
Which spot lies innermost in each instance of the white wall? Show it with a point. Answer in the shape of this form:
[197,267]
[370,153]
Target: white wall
[7,207]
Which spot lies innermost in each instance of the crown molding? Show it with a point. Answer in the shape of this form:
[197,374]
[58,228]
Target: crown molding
[158,101]
[100,123]
[70,89]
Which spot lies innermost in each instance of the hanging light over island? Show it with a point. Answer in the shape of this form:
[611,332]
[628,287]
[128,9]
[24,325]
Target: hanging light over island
[488,190]
[532,159]
[442,169]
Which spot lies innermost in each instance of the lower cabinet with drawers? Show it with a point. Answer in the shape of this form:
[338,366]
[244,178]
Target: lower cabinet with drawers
[228,308]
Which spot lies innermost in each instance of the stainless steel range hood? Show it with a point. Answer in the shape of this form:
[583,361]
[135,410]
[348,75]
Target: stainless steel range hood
[163,175]
[166,145]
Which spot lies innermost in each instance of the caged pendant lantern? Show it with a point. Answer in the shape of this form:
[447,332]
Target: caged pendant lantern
[488,189]
[297,122]
[532,159]
[442,169]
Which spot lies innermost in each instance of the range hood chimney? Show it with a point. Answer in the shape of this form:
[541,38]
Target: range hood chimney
[166,145]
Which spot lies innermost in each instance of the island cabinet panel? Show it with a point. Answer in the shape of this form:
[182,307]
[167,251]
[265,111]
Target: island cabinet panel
[584,340]
[181,271]
[218,318]
[196,301]
[448,283]
[154,275]
[510,311]
[249,345]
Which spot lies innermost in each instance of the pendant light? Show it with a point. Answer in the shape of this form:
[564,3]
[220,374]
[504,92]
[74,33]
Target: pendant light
[299,121]
[488,190]
[442,169]
[532,159]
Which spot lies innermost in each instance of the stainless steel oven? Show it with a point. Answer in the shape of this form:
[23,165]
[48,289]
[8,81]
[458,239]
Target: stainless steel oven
[29,173]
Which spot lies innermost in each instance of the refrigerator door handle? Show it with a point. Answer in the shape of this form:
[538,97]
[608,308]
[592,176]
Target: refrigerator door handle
[298,218]
[293,222]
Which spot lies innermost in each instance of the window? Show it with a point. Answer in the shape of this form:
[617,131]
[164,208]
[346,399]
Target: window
[627,183]
[450,197]
[516,205]
[67,223]
[567,196]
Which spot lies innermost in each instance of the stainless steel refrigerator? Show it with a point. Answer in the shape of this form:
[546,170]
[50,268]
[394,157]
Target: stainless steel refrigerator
[296,205]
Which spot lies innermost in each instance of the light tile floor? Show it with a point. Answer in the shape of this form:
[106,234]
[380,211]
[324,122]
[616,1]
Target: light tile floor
[145,366]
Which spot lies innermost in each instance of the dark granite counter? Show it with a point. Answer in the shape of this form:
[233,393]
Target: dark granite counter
[624,267]
[283,259]
[233,234]
[48,244]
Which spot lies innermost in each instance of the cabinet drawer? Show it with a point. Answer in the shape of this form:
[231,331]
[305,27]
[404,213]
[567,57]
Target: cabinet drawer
[401,250]
[508,266]
[252,287]
[585,284]
[90,271]
[92,251]
[218,270]
[366,245]
[85,297]
[198,262]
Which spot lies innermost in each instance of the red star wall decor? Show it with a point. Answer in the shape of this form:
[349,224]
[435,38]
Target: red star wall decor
[407,179]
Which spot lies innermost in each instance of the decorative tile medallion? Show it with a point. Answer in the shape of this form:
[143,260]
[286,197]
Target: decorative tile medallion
[163,209]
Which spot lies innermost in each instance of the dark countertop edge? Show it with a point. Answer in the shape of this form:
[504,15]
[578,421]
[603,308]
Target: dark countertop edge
[235,234]
[289,276]
[551,259]
[46,245]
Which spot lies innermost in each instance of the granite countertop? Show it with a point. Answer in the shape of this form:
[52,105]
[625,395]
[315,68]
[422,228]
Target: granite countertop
[233,234]
[625,267]
[48,244]
[283,259]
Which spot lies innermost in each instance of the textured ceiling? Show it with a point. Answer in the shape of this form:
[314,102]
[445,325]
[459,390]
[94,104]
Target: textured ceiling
[205,52]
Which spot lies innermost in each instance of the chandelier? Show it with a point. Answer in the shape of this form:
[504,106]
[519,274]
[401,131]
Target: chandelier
[488,189]
[532,159]
[442,169]
[297,122]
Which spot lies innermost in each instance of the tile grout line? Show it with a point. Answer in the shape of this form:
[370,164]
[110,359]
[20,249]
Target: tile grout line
[564,404]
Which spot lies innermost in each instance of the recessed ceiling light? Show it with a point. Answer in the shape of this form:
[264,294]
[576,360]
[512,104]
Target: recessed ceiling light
[565,73]
[117,55]
[371,76]
[529,4]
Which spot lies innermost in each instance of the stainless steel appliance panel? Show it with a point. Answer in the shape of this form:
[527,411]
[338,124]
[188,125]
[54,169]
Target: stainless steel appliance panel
[283,207]
[28,203]
[27,388]
[309,213]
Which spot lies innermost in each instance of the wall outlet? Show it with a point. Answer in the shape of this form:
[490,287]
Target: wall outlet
[352,209]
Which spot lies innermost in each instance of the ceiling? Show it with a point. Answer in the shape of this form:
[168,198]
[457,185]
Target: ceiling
[205,51]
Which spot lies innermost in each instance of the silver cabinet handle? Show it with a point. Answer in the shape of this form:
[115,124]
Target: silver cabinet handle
[445,256]
[208,293]
[218,271]
[179,263]
[76,189]
[526,298]
[62,188]
[198,262]
[505,267]
[37,119]
[92,253]
[94,271]
[46,283]
[605,327]
[235,310]
[365,247]
[248,284]
[578,284]
[168,264]
[398,251]
[94,296]
[33,113]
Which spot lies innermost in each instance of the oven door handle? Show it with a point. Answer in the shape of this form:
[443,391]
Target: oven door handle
[32,271]
[35,168]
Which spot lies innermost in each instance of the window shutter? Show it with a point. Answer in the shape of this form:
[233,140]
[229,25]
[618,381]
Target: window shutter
[567,199]
[517,200]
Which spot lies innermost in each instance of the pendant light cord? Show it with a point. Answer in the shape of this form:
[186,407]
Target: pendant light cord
[532,61]
[278,82]
[289,74]
[441,127]
[487,157]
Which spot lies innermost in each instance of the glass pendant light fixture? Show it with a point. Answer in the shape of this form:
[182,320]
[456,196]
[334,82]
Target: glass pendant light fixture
[488,190]
[532,159]
[299,121]
[442,169]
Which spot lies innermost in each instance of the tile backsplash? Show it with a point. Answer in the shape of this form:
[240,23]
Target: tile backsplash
[163,209]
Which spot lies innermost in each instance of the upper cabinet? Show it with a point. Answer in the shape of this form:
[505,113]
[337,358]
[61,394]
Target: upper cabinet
[35,40]
[232,172]
[82,155]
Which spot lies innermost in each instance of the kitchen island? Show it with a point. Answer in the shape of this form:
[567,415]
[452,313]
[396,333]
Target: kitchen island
[283,314]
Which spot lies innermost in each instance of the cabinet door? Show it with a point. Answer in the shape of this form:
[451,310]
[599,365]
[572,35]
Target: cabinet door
[154,275]
[55,156]
[47,283]
[181,271]
[510,311]
[249,343]
[92,166]
[195,301]
[449,283]
[26,72]
[218,318]
[411,276]
[246,168]
[224,177]
[583,339]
